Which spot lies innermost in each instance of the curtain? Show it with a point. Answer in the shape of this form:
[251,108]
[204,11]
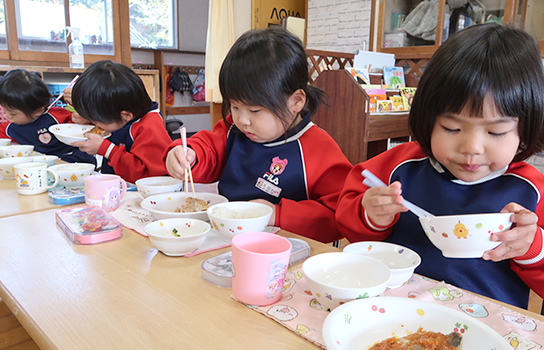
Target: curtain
[219,41]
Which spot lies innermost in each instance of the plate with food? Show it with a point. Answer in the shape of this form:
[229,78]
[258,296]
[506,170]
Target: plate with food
[401,323]
[179,205]
[68,133]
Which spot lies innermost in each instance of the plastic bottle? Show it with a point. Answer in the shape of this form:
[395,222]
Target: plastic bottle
[75,49]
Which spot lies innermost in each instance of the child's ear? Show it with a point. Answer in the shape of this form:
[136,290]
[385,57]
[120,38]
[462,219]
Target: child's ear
[297,101]
[127,116]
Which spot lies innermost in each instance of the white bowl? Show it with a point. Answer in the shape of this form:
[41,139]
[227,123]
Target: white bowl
[465,236]
[15,151]
[6,166]
[163,206]
[5,142]
[149,186]
[401,261]
[68,133]
[336,278]
[72,174]
[47,159]
[232,218]
[376,319]
[192,233]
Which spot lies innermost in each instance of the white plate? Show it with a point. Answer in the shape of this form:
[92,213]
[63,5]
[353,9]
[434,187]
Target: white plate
[361,323]
[68,133]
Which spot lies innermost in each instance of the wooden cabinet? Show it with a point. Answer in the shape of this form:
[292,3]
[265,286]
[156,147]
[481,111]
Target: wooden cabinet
[360,134]
[391,14]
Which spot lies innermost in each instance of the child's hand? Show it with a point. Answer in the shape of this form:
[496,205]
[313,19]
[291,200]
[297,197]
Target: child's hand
[91,145]
[272,220]
[381,204]
[77,119]
[67,95]
[516,241]
[176,163]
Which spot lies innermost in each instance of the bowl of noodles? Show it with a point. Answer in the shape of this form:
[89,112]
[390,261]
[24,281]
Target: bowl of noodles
[178,205]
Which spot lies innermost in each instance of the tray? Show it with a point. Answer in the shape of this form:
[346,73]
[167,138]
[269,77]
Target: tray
[218,269]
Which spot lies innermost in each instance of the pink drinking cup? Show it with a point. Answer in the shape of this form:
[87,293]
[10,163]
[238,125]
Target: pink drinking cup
[105,191]
[259,265]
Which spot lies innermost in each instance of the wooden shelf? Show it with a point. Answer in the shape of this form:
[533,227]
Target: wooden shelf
[360,134]
[187,110]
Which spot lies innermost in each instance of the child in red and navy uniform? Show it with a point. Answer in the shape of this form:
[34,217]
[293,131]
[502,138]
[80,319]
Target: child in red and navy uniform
[266,148]
[25,98]
[475,116]
[114,98]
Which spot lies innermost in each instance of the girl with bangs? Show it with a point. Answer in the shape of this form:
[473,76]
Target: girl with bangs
[477,114]
[266,149]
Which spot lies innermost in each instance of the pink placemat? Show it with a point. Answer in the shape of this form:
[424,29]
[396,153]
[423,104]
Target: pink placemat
[301,313]
[131,215]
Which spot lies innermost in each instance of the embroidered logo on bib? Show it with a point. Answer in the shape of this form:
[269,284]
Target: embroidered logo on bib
[45,137]
[270,181]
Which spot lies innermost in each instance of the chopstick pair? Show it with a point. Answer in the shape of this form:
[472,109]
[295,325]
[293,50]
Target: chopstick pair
[62,93]
[372,180]
[183,133]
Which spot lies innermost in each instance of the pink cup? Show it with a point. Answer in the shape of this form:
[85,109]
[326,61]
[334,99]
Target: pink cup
[259,265]
[105,191]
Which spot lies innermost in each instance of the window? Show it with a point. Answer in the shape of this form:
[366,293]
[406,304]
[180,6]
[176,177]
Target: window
[47,33]
[152,23]
[3,40]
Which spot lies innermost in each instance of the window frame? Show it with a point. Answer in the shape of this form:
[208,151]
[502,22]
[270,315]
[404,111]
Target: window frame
[121,40]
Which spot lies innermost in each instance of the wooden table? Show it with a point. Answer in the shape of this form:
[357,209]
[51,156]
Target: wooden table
[12,203]
[123,294]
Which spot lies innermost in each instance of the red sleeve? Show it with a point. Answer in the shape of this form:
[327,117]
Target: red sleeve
[150,140]
[3,127]
[326,169]
[530,266]
[62,115]
[350,215]
[210,148]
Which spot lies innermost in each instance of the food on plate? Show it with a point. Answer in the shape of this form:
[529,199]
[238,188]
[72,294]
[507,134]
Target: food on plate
[97,130]
[192,205]
[421,340]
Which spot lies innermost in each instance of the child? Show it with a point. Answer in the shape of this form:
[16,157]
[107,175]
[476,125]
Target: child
[477,114]
[25,98]
[267,149]
[114,98]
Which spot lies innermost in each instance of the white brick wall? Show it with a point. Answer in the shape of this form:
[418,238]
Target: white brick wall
[342,26]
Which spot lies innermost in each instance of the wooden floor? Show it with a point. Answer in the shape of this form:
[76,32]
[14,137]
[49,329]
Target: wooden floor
[12,335]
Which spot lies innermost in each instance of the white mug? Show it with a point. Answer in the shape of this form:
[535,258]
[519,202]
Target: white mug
[31,178]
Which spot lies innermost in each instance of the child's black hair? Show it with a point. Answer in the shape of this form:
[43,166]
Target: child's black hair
[265,67]
[25,91]
[486,60]
[107,88]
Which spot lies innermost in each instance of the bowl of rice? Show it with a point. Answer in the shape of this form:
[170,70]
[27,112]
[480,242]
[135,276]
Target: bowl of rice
[232,218]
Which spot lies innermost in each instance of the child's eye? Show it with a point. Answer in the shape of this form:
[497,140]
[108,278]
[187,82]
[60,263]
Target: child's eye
[254,110]
[450,130]
[497,134]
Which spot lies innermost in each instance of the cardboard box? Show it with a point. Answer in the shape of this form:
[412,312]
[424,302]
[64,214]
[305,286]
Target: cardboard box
[270,12]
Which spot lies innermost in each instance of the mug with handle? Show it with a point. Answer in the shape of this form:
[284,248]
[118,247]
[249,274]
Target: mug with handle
[31,178]
[105,191]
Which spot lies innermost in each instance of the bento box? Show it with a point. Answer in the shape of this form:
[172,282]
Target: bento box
[88,225]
